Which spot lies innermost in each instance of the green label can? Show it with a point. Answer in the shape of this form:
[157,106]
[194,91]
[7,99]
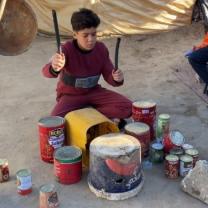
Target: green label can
[163,124]
[186,164]
[194,153]
[156,153]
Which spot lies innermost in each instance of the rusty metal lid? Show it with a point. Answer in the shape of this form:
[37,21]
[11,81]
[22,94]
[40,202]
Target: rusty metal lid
[137,128]
[51,121]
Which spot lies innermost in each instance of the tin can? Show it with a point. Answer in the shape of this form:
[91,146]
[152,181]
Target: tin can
[178,151]
[172,166]
[48,196]
[163,125]
[51,136]
[194,153]
[145,111]
[187,146]
[186,164]
[4,170]
[173,139]
[68,164]
[24,181]
[141,131]
[156,153]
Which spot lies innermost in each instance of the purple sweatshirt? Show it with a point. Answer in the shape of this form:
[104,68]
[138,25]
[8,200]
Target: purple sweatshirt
[82,64]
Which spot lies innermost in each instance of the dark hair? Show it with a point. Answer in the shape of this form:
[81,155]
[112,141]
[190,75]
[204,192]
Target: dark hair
[84,18]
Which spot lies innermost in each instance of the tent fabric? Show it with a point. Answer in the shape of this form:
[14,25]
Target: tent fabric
[118,17]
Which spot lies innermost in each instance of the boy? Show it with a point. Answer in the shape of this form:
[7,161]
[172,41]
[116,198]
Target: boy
[79,67]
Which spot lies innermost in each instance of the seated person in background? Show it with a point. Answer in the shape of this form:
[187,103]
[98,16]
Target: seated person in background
[79,67]
[199,59]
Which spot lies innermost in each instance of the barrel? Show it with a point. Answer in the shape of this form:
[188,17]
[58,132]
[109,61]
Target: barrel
[141,131]
[51,136]
[145,111]
[68,164]
[115,166]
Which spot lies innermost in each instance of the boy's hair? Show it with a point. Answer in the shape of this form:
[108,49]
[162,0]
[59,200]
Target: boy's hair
[84,18]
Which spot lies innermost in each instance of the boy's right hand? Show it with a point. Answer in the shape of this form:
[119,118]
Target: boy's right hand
[58,61]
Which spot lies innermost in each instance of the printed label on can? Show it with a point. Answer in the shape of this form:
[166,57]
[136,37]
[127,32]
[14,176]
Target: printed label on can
[4,174]
[56,138]
[24,183]
[185,167]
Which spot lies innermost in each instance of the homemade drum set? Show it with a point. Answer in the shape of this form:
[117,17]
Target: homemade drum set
[114,159]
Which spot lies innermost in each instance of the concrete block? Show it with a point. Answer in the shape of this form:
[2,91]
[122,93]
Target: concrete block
[196,182]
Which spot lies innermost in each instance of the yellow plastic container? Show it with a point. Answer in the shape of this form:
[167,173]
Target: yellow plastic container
[83,125]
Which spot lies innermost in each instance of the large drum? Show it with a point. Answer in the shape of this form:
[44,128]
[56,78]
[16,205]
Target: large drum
[141,131]
[145,111]
[18,26]
[115,166]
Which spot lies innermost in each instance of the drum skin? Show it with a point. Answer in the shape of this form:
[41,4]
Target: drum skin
[18,28]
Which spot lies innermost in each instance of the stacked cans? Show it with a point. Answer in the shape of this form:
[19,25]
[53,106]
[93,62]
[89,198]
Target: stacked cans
[145,111]
[183,160]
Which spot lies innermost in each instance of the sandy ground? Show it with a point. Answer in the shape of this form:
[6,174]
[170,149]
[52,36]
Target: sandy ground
[148,63]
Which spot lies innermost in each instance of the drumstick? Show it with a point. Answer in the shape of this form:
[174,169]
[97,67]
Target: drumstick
[55,22]
[2,7]
[116,52]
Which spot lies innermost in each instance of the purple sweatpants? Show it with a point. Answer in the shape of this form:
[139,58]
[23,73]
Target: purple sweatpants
[109,103]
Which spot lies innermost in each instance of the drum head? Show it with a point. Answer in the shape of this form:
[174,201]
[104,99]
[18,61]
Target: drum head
[18,27]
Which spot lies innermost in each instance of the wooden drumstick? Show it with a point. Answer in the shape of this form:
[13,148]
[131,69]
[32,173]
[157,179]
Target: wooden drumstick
[56,28]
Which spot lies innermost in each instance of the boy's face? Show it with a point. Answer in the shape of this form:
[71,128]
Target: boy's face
[86,38]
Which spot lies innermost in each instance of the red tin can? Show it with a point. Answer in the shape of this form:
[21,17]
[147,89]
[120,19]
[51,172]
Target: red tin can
[4,170]
[145,111]
[172,166]
[141,131]
[24,181]
[171,140]
[68,164]
[48,196]
[51,136]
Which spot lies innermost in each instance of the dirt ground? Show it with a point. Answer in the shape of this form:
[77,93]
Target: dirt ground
[148,63]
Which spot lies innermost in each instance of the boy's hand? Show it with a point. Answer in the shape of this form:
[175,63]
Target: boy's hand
[117,75]
[58,61]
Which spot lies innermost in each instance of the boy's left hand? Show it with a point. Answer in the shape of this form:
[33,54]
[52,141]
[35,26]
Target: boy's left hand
[117,75]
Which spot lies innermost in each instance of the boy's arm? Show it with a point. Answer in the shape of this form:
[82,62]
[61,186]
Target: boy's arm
[108,70]
[49,71]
